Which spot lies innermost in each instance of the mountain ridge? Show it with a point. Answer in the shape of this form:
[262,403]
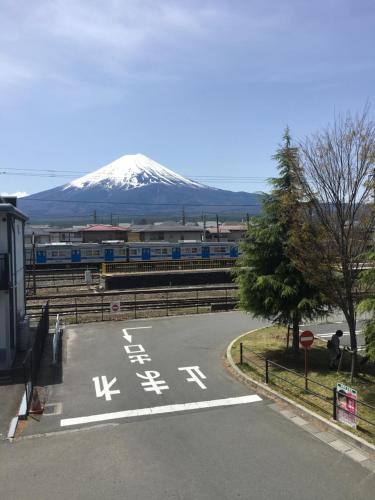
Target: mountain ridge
[135,185]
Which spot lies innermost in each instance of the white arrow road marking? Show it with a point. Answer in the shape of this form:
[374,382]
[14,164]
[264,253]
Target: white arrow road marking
[157,410]
[127,336]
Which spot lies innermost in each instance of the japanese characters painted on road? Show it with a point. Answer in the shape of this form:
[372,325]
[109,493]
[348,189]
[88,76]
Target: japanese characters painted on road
[194,372]
[106,389]
[134,353]
[151,384]
[115,307]
[306,338]
[346,405]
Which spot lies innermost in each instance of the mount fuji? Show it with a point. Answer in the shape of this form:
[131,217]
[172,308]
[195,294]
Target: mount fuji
[135,185]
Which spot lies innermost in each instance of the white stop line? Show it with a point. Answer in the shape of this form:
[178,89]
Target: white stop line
[157,410]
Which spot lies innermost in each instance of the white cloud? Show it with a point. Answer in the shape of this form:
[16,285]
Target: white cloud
[108,45]
[19,194]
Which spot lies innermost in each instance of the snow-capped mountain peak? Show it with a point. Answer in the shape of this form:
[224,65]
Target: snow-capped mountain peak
[129,172]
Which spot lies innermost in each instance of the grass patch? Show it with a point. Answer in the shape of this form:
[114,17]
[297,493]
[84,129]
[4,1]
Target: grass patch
[271,343]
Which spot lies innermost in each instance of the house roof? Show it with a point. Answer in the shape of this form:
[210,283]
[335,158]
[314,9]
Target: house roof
[165,228]
[103,227]
[234,227]
[64,230]
[222,230]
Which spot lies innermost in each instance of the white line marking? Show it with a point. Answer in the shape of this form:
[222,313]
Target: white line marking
[138,327]
[12,428]
[346,334]
[65,422]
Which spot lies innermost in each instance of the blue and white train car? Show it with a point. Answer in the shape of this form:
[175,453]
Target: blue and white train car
[65,254]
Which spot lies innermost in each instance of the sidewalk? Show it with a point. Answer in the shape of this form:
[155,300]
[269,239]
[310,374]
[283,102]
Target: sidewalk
[328,431]
[11,391]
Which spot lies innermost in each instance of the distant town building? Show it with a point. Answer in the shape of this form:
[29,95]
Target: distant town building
[165,232]
[97,233]
[172,232]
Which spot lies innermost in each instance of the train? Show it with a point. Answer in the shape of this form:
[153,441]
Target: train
[74,254]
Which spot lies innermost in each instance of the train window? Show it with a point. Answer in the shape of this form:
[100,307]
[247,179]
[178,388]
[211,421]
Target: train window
[121,251]
[157,251]
[92,252]
[58,253]
[133,252]
[165,251]
[220,249]
[194,250]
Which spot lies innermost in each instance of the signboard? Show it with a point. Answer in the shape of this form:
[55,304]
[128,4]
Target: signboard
[306,338]
[346,405]
[115,307]
[88,276]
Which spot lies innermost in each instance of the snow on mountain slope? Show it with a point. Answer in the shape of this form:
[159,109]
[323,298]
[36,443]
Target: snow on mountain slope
[129,172]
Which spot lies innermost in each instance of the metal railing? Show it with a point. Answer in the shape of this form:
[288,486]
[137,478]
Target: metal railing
[273,374]
[140,303]
[170,265]
[56,340]
[31,363]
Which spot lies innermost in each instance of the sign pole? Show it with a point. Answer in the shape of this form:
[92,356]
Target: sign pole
[306,339]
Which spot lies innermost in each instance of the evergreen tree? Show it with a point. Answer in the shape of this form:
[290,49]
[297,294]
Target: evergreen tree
[269,284]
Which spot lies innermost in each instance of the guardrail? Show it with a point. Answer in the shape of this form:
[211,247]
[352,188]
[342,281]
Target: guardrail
[327,396]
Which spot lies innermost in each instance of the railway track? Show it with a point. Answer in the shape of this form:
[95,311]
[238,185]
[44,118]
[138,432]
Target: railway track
[88,307]
[58,279]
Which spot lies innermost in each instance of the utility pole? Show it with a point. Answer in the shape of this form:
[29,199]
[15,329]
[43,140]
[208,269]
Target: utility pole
[183,216]
[204,227]
[217,227]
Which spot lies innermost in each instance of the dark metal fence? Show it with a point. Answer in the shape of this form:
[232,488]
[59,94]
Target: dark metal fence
[169,265]
[320,396]
[139,304]
[31,363]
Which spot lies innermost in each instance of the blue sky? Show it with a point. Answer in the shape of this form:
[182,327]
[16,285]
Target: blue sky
[205,87]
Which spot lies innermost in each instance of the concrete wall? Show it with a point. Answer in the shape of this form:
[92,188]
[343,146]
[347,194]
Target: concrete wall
[19,267]
[4,301]
[12,300]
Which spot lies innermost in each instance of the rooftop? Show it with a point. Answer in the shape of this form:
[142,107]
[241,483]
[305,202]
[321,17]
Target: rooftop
[103,227]
[8,208]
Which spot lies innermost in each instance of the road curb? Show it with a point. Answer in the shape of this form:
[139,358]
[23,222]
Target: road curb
[354,440]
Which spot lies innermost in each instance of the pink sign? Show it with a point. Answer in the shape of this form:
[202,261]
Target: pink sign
[346,405]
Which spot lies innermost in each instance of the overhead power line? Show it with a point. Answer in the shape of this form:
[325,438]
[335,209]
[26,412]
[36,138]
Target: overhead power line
[67,174]
[143,204]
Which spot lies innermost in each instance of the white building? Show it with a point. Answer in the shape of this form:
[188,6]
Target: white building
[12,281]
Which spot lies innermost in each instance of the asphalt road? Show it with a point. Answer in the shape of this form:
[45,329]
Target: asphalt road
[187,452]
